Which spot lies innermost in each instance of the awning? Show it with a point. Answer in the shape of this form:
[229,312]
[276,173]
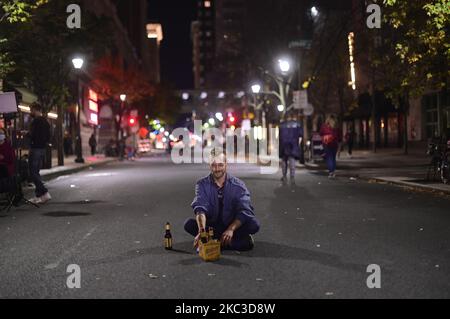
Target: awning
[25,95]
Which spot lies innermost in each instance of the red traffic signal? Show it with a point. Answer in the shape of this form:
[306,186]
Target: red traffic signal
[132,121]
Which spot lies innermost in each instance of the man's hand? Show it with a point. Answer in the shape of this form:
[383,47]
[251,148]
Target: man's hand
[227,236]
[196,241]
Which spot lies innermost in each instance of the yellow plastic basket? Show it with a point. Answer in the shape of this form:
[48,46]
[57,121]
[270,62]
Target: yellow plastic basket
[210,251]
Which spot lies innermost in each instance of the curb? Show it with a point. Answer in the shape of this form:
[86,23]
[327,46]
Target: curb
[52,175]
[387,180]
[407,184]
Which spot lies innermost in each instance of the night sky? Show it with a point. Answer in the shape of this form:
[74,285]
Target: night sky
[176,49]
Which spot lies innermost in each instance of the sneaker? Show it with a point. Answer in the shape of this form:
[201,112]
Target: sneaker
[17,199]
[251,242]
[45,198]
[243,244]
[332,176]
[36,200]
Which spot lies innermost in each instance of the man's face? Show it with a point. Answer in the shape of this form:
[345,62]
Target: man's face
[218,167]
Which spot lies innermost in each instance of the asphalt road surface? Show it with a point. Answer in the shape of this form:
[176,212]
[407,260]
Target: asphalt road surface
[316,241]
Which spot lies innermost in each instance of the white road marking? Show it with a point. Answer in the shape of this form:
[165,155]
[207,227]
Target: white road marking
[70,251]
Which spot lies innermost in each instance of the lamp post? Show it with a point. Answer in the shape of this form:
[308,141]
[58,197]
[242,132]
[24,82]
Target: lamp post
[123,98]
[256,89]
[78,64]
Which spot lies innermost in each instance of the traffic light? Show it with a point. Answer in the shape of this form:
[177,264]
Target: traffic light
[231,118]
[132,121]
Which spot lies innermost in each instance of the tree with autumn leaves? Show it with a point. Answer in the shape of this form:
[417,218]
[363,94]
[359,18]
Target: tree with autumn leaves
[415,49]
[152,99]
[413,54]
[13,12]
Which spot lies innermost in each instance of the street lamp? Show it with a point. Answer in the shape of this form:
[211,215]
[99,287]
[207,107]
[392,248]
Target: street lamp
[123,98]
[219,116]
[280,108]
[256,88]
[284,65]
[314,12]
[78,64]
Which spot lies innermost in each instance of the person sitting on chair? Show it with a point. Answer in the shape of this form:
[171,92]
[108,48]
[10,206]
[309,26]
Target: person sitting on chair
[7,156]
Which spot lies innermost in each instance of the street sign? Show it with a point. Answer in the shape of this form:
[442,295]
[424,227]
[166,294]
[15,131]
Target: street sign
[309,110]
[300,44]
[8,102]
[300,100]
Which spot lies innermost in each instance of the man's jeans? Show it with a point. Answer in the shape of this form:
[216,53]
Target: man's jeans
[291,163]
[240,238]
[330,157]
[36,159]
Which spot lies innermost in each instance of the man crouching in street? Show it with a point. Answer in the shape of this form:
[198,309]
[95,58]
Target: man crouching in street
[223,202]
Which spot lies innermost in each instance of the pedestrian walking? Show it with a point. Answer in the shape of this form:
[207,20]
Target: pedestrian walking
[68,147]
[350,140]
[291,135]
[331,139]
[39,137]
[93,144]
[130,143]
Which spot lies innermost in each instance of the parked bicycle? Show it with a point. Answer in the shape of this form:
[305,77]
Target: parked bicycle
[439,167]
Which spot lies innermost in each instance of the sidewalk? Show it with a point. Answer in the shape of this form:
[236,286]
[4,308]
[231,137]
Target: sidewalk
[387,166]
[71,167]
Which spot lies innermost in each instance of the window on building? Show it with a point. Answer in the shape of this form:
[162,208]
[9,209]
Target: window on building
[430,106]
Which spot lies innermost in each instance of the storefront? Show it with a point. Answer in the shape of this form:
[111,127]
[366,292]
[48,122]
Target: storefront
[436,112]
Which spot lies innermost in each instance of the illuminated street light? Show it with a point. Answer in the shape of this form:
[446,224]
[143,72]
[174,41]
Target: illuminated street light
[219,116]
[78,63]
[284,65]
[314,12]
[256,88]
[212,121]
[123,97]
[185,96]
[280,108]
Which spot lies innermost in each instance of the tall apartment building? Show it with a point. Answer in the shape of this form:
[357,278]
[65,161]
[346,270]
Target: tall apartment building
[155,36]
[196,61]
[229,25]
[204,33]
[133,16]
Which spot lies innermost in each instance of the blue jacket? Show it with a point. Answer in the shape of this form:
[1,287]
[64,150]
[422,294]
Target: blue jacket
[290,132]
[236,201]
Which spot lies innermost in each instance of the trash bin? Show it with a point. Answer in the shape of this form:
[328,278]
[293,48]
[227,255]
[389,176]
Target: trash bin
[48,157]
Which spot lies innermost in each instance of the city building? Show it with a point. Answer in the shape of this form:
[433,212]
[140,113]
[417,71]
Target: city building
[204,33]
[196,52]
[155,36]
